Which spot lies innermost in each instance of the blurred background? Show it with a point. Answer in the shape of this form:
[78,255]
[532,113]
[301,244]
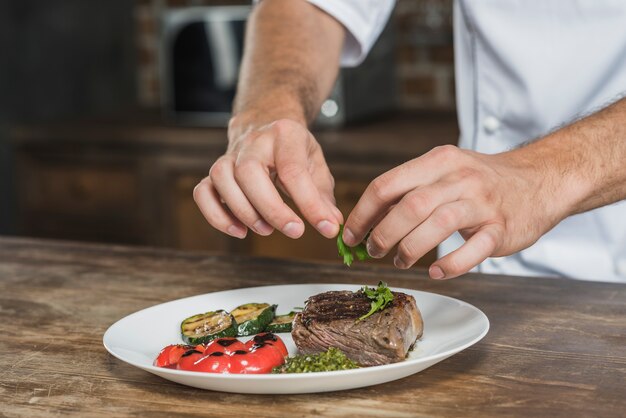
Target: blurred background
[111,112]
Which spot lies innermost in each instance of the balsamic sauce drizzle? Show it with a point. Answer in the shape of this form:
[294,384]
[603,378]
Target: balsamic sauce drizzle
[225,342]
[190,352]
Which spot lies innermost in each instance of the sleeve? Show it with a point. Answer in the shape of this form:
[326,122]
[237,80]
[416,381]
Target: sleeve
[363,20]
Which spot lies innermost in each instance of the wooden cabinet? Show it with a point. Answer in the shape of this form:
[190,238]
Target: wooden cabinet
[65,197]
[132,183]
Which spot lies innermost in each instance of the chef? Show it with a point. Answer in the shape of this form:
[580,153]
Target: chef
[536,186]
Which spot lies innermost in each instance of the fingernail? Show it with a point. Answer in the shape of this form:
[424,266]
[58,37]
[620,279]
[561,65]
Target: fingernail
[262,227]
[372,251]
[397,261]
[436,273]
[327,228]
[348,237]
[236,231]
[338,215]
[293,229]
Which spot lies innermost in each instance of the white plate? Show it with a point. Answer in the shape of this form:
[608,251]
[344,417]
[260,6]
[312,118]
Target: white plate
[450,326]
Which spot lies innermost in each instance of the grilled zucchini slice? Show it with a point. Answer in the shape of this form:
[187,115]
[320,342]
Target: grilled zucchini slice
[281,323]
[252,318]
[202,328]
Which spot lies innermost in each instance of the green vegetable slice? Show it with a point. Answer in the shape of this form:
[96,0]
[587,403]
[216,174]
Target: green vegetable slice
[252,318]
[347,252]
[202,328]
[281,323]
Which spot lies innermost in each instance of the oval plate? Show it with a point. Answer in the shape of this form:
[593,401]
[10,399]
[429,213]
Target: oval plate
[450,326]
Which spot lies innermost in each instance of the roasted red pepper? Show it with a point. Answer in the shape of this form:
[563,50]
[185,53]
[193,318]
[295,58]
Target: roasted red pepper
[226,345]
[170,355]
[189,359]
[268,338]
[227,355]
[216,362]
[262,359]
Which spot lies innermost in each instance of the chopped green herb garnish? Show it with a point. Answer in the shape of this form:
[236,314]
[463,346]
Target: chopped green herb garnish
[330,360]
[380,297]
[347,252]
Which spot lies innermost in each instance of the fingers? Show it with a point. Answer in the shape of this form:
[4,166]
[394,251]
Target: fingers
[388,188]
[214,212]
[411,211]
[443,222]
[282,154]
[311,195]
[253,179]
[325,183]
[380,194]
[223,180]
[480,246]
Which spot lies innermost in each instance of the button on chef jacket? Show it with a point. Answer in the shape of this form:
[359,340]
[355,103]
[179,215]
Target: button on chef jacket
[524,68]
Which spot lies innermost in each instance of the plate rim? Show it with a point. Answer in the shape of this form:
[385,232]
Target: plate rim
[293,376]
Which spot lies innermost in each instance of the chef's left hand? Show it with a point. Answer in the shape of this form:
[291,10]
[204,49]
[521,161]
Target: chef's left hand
[499,203]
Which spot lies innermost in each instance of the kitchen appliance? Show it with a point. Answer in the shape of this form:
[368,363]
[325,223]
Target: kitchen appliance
[201,51]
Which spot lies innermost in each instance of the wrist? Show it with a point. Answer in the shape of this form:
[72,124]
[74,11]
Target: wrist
[557,173]
[254,117]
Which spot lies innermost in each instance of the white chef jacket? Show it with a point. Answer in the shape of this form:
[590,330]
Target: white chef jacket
[524,68]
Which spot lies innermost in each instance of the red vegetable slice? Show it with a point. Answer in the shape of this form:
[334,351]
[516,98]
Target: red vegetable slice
[251,363]
[261,359]
[226,355]
[216,362]
[188,359]
[268,338]
[226,345]
[169,356]
[271,354]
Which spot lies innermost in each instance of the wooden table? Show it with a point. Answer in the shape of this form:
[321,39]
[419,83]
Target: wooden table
[555,348]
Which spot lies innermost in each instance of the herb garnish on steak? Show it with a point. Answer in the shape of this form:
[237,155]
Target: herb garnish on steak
[380,297]
[330,319]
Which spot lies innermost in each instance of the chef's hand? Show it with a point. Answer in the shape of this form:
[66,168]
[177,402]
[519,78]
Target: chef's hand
[499,203]
[241,190]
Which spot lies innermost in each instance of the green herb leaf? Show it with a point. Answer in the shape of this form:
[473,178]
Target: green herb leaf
[347,253]
[380,296]
[361,252]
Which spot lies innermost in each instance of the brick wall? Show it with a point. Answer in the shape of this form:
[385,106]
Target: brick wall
[424,50]
[424,54]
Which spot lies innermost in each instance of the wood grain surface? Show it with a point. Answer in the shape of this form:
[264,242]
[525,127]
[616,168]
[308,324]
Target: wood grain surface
[556,348]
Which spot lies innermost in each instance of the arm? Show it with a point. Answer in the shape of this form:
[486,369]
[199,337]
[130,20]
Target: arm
[499,203]
[590,156]
[290,62]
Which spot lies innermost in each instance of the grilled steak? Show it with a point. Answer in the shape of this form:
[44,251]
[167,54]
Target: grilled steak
[329,319]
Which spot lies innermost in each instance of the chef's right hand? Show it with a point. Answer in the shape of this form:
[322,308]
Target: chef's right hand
[241,190]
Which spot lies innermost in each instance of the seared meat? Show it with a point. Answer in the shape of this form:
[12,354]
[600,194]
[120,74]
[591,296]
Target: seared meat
[330,319]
